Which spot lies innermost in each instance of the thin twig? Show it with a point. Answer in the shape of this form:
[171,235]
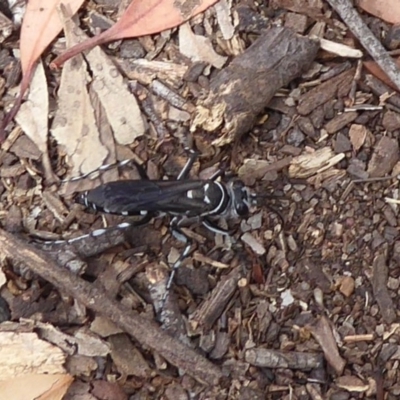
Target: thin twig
[96,298]
[359,29]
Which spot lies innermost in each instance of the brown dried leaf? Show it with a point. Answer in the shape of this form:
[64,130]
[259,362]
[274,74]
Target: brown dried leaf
[33,114]
[388,10]
[40,26]
[376,71]
[142,17]
[74,126]
[79,131]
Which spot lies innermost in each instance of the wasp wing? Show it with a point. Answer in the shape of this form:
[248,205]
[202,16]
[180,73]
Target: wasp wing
[133,196]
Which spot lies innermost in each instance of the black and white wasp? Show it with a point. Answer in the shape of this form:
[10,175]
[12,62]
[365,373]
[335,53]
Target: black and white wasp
[184,200]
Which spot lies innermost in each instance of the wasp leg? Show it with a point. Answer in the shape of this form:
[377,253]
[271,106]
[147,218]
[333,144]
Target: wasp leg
[214,228]
[193,154]
[107,167]
[102,231]
[217,174]
[180,235]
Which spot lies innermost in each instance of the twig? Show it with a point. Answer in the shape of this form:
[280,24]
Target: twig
[95,297]
[360,30]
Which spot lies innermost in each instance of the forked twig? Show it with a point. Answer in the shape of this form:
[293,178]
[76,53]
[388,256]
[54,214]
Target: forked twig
[95,297]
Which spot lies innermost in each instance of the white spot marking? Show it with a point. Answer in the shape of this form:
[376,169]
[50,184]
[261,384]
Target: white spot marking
[77,238]
[189,194]
[143,212]
[85,199]
[207,199]
[98,232]
[221,203]
[186,251]
[124,225]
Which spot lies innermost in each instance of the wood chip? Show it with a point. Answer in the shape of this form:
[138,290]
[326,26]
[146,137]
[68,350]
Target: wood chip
[255,245]
[322,332]
[384,158]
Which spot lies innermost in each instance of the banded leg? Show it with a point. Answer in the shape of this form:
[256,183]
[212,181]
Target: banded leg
[102,231]
[107,167]
[214,228]
[178,234]
[193,154]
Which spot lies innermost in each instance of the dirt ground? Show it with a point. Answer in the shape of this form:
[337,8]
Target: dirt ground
[301,301]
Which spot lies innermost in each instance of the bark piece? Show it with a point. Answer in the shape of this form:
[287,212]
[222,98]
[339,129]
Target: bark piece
[384,158]
[379,287]
[278,359]
[211,309]
[255,244]
[127,358]
[340,121]
[342,143]
[391,121]
[322,332]
[335,87]
[108,390]
[239,92]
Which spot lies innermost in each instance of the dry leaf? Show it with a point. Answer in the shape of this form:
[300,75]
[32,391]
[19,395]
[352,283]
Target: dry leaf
[74,126]
[376,71]
[198,48]
[120,105]
[33,116]
[142,17]
[388,10]
[40,26]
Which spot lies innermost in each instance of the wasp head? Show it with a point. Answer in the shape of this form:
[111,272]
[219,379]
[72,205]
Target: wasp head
[242,199]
